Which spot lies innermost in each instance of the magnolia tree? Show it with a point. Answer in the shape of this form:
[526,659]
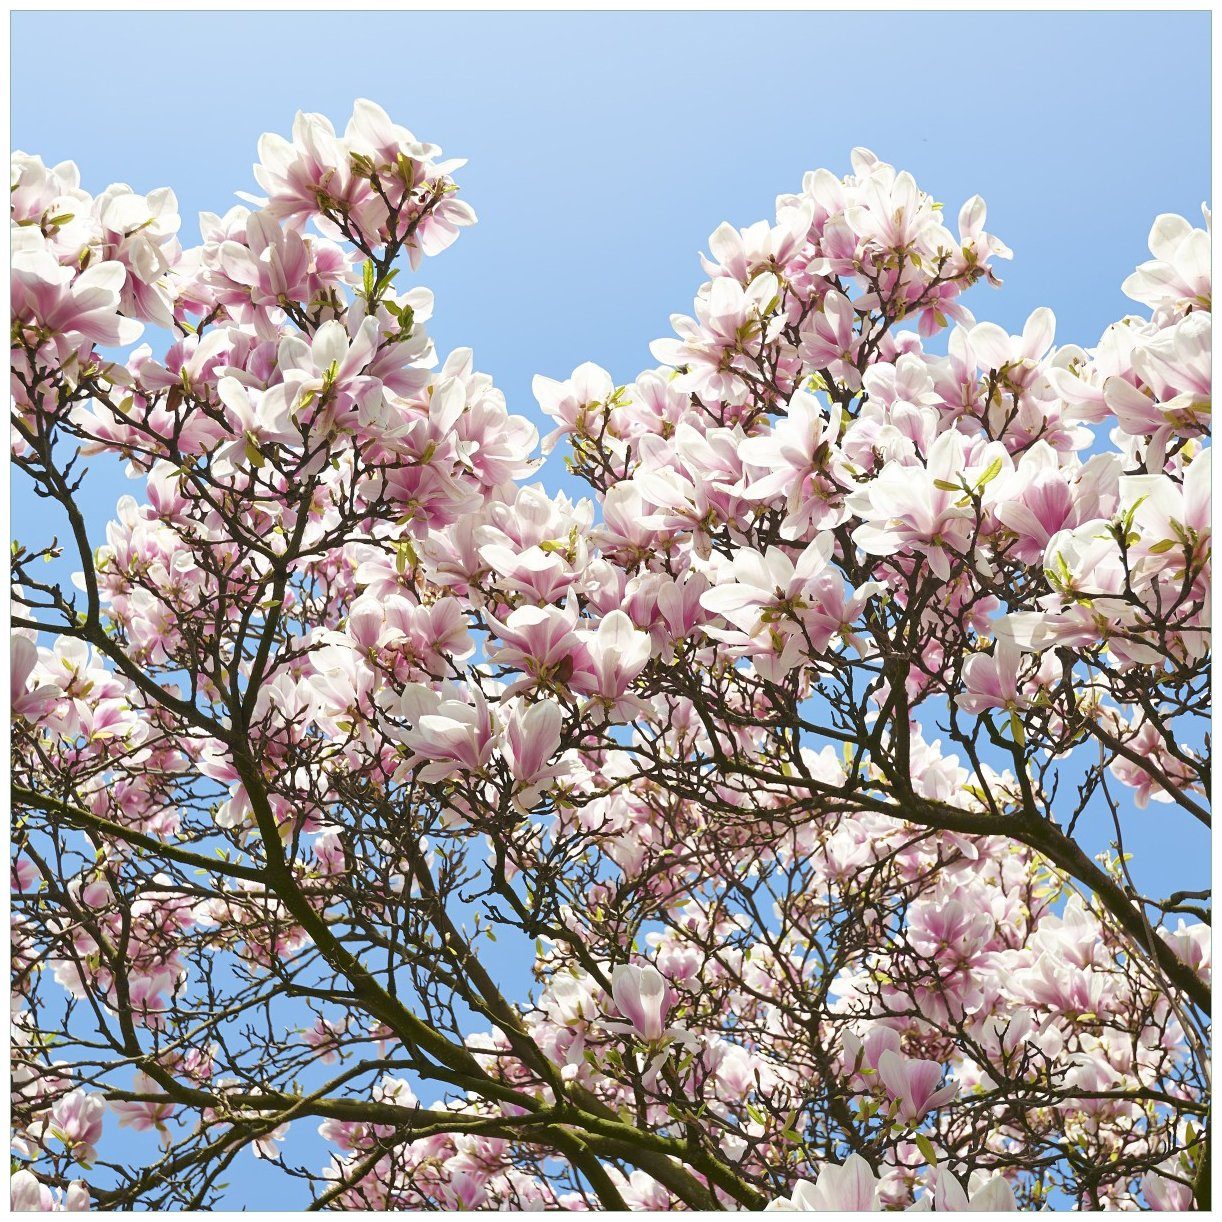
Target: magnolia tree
[772,759]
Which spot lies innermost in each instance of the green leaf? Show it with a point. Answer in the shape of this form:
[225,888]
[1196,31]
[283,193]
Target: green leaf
[991,472]
[926,1148]
[405,555]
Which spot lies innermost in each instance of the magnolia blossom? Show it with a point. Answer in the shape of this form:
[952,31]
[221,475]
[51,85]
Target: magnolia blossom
[769,585]
[77,1120]
[340,716]
[1164,1193]
[532,736]
[142,1114]
[448,736]
[985,1193]
[642,997]
[913,1085]
[926,508]
[27,1195]
[852,1187]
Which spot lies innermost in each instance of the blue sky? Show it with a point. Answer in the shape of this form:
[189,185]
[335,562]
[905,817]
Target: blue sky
[605,147]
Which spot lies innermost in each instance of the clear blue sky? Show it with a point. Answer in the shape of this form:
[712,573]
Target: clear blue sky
[605,147]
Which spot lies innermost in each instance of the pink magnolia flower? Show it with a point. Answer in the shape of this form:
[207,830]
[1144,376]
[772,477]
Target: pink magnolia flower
[992,680]
[532,737]
[832,343]
[1179,273]
[142,1115]
[678,605]
[975,246]
[618,653]
[926,510]
[913,1085]
[572,403]
[741,253]
[641,1192]
[768,586]
[860,1056]
[728,315]
[24,701]
[1151,747]
[985,1193]
[543,643]
[76,1119]
[78,308]
[313,168]
[1169,515]
[890,211]
[799,457]
[137,231]
[466,1190]
[41,193]
[643,997]
[266,263]
[542,575]
[449,736]
[27,1195]
[851,1187]
[331,368]
[1192,945]
[1017,358]
[1164,1194]
[268,1146]
[407,168]
[1044,501]
[258,418]
[25,874]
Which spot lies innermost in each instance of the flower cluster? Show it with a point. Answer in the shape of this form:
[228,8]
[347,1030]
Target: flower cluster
[776,758]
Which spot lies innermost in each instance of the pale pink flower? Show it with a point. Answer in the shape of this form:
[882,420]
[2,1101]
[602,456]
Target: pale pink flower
[532,738]
[572,404]
[141,1115]
[30,703]
[851,1187]
[985,1193]
[76,1119]
[79,308]
[992,680]
[831,343]
[913,1085]
[618,652]
[925,509]
[1164,1194]
[642,996]
[25,874]
[544,645]
[768,586]
[450,737]
[27,1195]
[1179,273]
[860,1056]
